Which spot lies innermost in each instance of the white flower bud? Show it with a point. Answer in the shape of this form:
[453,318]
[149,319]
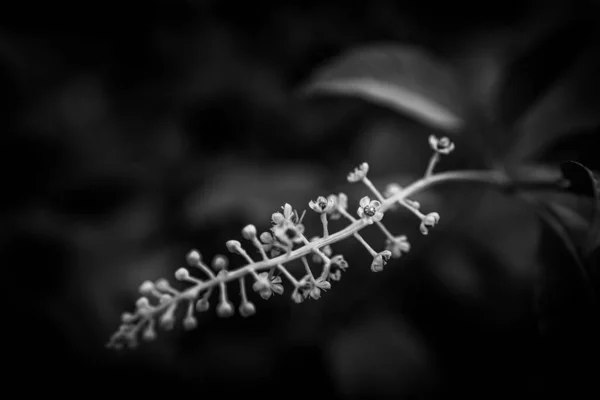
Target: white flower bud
[146,288]
[220,262]
[233,246]
[193,258]
[225,309]
[182,274]
[249,232]
[190,323]
[202,305]
[247,309]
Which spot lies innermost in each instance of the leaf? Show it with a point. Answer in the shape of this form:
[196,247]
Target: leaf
[575,213]
[583,182]
[406,79]
[538,67]
[571,106]
[570,237]
[566,309]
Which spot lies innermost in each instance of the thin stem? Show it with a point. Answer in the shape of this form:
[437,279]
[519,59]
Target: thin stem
[307,268]
[288,275]
[432,163]
[243,289]
[205,269]
[412,209]
[316,250]
[373,189]
[260,248]
[364,243]
[385,230]
[324,222]
[356,235]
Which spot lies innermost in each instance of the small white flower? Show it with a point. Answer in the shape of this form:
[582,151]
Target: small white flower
[397,246]
[370,210]
[359,173]
[441,145]
[269,244]
[380,260]
[428,222]
[265,287]
[322,204]
[340,203]
[338,265]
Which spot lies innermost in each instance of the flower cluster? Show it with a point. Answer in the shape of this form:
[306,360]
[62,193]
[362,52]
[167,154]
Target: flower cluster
[277,249]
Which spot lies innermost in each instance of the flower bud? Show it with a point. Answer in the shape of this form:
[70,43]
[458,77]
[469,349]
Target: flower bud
[190,322]
[202,305]
[193,258]
[247,309]
[249,232]
[220,262]
[149,333]
[142,303]
[182,274]
[146,288]
[225,309]
[234,246]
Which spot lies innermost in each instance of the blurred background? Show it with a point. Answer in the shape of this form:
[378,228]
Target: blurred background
[130,135]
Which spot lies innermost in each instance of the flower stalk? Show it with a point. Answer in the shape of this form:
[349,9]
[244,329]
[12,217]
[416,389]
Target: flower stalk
[286,242]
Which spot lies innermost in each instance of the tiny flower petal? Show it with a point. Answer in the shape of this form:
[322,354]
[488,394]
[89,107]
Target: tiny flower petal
[364,201]
[266,237]
[277,218]
[378,216]
[361,212]
[288,212]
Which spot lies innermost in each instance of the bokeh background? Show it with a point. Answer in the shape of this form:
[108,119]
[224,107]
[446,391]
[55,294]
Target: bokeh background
[130,135]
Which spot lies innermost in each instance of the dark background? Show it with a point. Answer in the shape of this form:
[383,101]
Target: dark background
[130,135]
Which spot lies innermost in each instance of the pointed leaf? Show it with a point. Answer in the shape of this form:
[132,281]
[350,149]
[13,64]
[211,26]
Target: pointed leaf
[575,214]
[569,107]
[538,67]
[406,79]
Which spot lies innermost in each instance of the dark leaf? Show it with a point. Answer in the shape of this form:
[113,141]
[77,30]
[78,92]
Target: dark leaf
[538,67]
[567,292]
[583,182]
[406,79]
[566,309]
[574,213]
[570,107]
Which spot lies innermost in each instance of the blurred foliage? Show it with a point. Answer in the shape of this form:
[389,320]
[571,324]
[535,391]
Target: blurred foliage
[131,135]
